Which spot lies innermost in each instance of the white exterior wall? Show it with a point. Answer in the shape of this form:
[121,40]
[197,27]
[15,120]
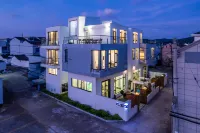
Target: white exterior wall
[16,62]
[54,82]
[97,101]
[17,48]
[187,91]
[197,38]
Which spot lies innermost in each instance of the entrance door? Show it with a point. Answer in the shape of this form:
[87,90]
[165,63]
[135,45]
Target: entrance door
[105,88]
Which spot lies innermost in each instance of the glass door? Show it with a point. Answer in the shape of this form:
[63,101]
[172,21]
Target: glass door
[105,88]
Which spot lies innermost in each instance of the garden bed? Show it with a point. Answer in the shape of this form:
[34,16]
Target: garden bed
[100,113]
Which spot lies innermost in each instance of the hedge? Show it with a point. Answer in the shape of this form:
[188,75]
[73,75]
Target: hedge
[101,113]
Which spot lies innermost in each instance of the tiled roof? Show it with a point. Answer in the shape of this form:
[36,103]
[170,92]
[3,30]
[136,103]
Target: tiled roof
[22,57]
[33,40]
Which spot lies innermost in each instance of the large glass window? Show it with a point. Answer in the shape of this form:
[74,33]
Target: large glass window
[52,57]
[133,54]
[105,88]
[87,86]
[73,27]
[123,35]
[142,54]
[95,59]
[114,36]
[52,71]
[152,52]
[137,53]
[53,38]
[119,83]
[113,58]
[135,37]
[141,39]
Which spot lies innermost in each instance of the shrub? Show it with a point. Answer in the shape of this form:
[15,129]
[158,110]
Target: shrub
[101,113]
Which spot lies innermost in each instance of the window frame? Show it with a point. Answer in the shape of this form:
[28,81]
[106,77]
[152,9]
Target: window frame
[50,71]
[66,55]
[133,53]
[116,53]
[106,86]
[81,84]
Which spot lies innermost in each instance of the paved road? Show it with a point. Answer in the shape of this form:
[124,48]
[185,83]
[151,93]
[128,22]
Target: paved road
[38,114]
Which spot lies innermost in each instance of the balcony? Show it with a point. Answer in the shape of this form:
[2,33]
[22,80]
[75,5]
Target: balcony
[95,39]
[50,62]
[51,44]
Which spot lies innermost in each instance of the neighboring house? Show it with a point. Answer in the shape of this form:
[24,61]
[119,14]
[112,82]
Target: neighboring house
[6,58]
[20,61]
[186,86]
[24,45]
[167,54]
[35,70]
[2,66]
[196,36]
[5,46]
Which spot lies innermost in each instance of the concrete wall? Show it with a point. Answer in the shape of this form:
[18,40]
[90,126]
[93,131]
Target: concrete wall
[18,48]
[80,58]
[97,101]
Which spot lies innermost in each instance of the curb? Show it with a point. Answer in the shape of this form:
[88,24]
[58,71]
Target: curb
[64,104]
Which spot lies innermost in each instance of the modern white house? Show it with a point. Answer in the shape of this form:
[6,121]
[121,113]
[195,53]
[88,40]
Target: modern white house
[99,60]
[186,102]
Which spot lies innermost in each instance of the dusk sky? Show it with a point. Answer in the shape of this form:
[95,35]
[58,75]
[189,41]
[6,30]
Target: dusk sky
[157,18]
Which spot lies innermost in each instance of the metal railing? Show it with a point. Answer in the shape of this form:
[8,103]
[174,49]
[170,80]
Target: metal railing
[95,39]
[51,61]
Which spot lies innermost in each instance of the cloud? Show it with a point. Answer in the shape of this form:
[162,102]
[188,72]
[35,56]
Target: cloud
[107,12]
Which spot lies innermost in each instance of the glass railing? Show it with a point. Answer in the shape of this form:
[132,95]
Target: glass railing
[94,39]
[50,61]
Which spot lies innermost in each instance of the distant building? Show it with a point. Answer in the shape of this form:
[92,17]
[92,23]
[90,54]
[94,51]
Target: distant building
[5,46]
[167,51]
[25,45]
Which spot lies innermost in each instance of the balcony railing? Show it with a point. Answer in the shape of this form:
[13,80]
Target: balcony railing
[95,39]
[51,61]
[50,43]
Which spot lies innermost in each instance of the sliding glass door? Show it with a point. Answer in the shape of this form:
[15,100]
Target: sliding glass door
[105,88]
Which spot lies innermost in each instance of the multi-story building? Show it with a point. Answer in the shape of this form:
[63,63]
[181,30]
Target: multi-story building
[186,103]
[98,60]
[55,77]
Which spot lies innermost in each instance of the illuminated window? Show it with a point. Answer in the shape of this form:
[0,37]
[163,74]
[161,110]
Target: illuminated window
[114,36]
[53,71]
[123,36]
[87,86]
[95,59]
[152,52]
[113,58]
[137,53]
[142,54]
[52,57]
[141,40]
[135,37]
[133,54]
[105,88]
[103,60]
[52,38]
[119,83]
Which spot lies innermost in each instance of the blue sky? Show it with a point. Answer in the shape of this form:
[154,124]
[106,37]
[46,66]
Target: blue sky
[157,18]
